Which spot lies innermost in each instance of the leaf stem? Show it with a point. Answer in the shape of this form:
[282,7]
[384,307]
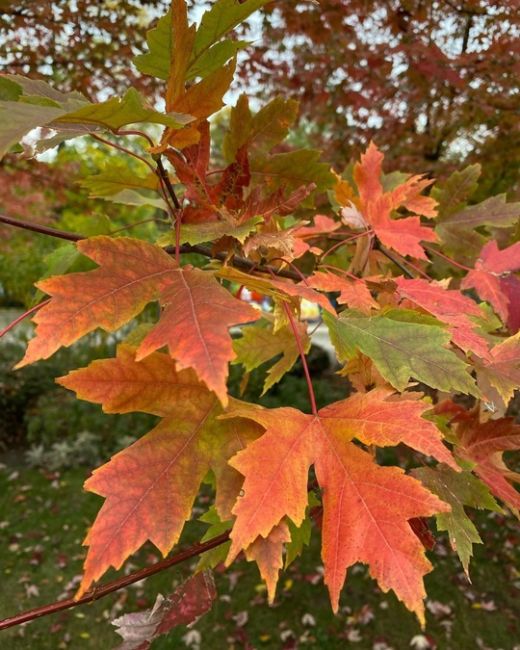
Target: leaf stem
[382,249]
[108,588]
[343,242]
[312,397]
[20,318]
[448,259]
[141,134]
[123,149]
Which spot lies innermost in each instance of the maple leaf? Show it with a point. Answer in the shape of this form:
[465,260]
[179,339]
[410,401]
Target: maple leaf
[487,276]
[267,553]
[499,376]
[449,306]
[185,605]
[401,349]
[150,486]
[456,190]
[259,343]
[194,326]
[361,522]
[353,292]
[262,131]
[459,489]
[403,235]
[131,274]
[483,445]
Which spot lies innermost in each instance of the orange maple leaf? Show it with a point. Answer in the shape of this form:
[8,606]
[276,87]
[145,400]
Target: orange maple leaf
[353,292]
[366,507]
[131,274]
[150,486]
[194,324]
[198,313]
[405,234]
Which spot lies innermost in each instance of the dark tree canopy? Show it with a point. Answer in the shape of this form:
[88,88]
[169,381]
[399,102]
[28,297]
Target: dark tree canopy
[39,37]
[433,83]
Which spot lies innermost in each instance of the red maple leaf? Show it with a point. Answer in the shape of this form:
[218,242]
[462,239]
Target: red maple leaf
[491,277]
[451,307]
[483,444]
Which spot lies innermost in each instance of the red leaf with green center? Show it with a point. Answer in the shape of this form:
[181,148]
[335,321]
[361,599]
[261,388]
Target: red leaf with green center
[483,444]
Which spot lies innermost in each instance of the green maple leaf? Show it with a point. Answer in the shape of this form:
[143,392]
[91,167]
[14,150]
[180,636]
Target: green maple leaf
[401,350]
[459,490]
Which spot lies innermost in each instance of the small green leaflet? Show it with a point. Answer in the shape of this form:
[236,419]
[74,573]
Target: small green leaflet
[401,350]
[258,344]
[209,53]
[217,555]
[459,489]
[121,184]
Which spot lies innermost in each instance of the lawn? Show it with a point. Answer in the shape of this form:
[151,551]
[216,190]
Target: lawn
[44,516]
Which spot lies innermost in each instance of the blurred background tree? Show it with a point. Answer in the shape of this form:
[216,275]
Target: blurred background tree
[435,83]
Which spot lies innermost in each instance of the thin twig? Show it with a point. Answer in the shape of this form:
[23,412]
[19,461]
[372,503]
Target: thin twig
[378,246]
[22,317]
[164,175]
[177,213]
[43,230]
[448,259]
[105,590]
[123,149]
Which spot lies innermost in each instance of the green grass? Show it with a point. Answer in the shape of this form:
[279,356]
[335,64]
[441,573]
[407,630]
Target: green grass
[43,519]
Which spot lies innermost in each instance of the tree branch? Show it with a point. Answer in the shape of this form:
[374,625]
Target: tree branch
[109,587]
[237,261]
[43,230]
[378,246]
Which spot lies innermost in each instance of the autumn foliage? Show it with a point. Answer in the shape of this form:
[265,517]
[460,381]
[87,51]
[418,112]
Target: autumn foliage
[416,286]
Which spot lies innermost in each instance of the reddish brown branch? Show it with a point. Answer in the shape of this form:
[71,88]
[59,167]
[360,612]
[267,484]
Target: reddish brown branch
[105,590]
[237,261]
[43,230]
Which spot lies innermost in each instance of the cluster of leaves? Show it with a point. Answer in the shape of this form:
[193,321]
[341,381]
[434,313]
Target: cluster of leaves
[383,250]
